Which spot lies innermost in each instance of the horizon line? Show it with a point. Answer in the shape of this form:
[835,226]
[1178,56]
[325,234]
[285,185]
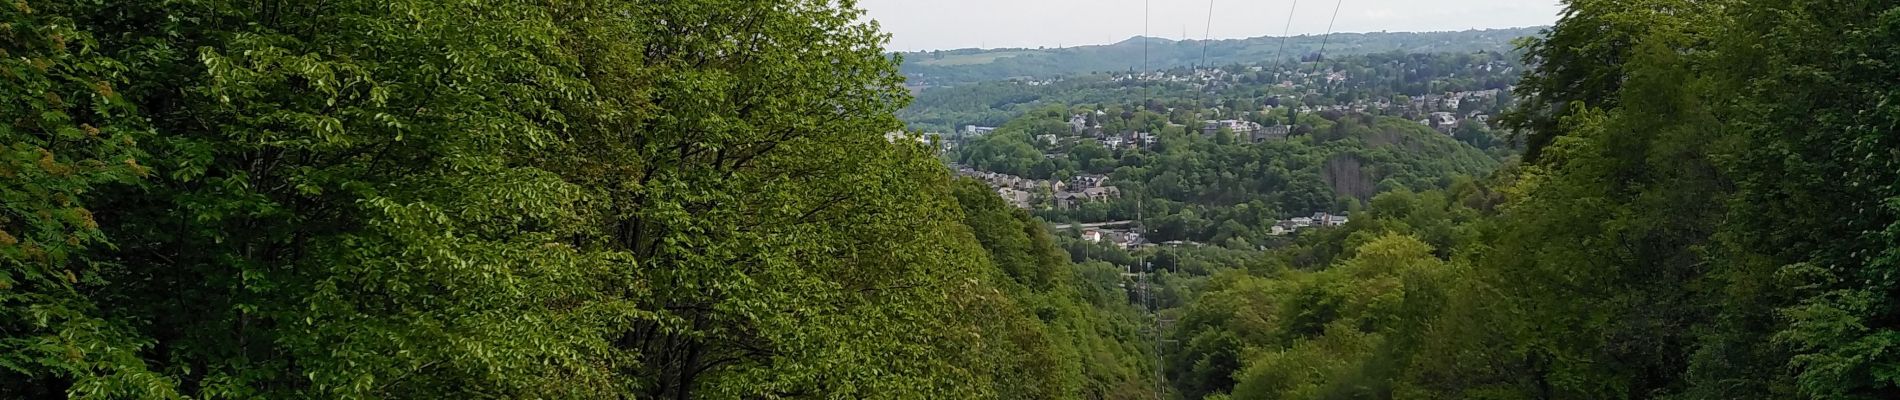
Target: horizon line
[1130,38]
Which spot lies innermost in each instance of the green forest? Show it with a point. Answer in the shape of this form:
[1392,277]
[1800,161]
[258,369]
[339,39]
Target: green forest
[710,199]
[498,199]
[1217,188]
[1683,200]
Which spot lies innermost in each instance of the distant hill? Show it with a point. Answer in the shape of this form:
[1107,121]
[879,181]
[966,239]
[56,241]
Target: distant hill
[954,67]
[1381,151]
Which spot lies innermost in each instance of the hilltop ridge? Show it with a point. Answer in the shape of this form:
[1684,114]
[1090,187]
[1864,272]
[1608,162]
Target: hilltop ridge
[963,66]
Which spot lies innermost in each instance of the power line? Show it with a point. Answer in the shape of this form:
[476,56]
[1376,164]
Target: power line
[1329,35]
[1207,37]
[1154,310]
[1147,295]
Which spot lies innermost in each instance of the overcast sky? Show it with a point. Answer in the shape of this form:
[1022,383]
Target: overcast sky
[951,24]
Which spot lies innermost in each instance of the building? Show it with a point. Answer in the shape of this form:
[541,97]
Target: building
[1324,219]
[894,137]
[1141,139]
[1087,181]
[1102,193]
[1092,235]
[1127,240]
[1276,132]
[1014,189]
[1069,200]
[1443,120]
[974,130]
[1017,198]
[1319,219]
[1238,127]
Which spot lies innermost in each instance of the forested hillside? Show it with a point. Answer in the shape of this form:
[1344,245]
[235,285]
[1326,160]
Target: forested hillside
[1696,200]
[425,200]
[1223,155]
[1408,85]
[965,66]
[722,199]
[1222,187]
[1706,210]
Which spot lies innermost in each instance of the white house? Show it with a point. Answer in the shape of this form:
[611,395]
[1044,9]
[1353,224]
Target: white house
[1079,123]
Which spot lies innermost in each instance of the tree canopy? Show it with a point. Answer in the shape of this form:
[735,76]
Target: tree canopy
[569,199]
[1705,212]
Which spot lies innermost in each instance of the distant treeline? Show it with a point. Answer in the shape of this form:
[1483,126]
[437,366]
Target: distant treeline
[956,67]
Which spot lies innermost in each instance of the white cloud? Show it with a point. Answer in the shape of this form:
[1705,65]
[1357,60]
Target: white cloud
[947,24]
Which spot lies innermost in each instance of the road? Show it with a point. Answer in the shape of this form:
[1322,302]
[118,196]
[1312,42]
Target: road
[1058,227]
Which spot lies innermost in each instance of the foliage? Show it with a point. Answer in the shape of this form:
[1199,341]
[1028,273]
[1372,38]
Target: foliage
[576,199]
[1202,188]
[70,133]
[569,199]
[1082,318]
[1707,213]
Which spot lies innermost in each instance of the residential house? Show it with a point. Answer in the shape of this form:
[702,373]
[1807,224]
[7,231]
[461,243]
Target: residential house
[1324,219]
[1102,193]
[1443,120]
[1127,240]
[1238,127]
[1141,139]
[1014,197]
[1276,132]
[1069,200]
[1087,181]
[896,136]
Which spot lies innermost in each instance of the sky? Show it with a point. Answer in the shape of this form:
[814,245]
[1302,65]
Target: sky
[952,24]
